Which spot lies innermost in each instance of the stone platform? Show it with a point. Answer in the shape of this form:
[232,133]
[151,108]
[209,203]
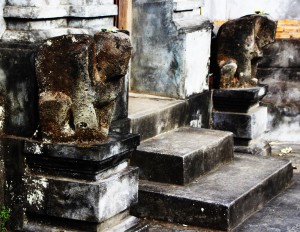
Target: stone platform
[220,200]
[152,115]
[180,156]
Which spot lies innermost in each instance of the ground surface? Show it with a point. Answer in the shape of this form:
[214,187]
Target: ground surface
[279,215]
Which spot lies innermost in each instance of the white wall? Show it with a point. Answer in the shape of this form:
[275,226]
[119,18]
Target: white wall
[230,9]
[2,22]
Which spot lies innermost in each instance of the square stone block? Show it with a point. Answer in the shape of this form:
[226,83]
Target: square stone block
[243,125]
[92,201]
[180,156]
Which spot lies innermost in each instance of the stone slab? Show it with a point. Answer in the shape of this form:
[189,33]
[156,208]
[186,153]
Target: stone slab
[92,201]
[90,162]
[120,222]
[26,25]
[43,3]
[243,125]
[238,99]
[180,156]
[220,200]
[281,214]
[256,146]
[52,11]
[116,144]
[42,25]
[151,115]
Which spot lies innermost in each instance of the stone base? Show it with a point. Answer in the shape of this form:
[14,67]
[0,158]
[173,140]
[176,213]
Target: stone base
[180,156]
[84,184]
[243,125]
[87,162]
[220,200]
[238,99]
[82,200]
[121,222]
[256,146]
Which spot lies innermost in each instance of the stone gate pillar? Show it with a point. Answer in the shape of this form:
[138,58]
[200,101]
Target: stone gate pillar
[171,48]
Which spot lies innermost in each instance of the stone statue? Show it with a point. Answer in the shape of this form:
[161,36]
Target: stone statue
[79,78]
[239,46]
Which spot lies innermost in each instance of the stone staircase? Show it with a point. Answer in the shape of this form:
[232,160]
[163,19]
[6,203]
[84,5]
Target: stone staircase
[191,175]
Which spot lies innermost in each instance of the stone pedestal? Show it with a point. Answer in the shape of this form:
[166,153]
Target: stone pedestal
[238,110]
[87,187]
[171,48]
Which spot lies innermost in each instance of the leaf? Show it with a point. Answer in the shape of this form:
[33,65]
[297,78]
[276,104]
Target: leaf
[286,150]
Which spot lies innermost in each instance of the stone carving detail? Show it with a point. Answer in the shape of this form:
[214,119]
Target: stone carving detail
[79,78]
[240,44]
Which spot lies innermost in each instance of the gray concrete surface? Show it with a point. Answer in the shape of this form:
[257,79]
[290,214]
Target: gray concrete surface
[281,214]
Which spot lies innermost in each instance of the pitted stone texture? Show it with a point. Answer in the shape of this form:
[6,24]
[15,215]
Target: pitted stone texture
[220,200]
[243,125]
[79,78]
[82,200]
[180,156]
[239,43]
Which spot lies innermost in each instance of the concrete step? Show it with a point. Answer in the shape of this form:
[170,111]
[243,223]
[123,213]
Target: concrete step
[220,200]
[152,115]
[181,155]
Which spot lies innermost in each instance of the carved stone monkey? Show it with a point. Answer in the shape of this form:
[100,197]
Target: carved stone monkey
[239,43]
[79,78]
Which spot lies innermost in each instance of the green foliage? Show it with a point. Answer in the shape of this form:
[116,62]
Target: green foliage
[4,217]
[109,30]
[259,12]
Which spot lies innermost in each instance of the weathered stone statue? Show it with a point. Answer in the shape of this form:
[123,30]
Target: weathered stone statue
[79,78]
[239,44]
